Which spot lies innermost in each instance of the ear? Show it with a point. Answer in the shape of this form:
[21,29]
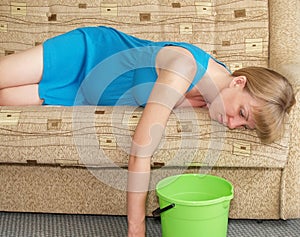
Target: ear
[239,81]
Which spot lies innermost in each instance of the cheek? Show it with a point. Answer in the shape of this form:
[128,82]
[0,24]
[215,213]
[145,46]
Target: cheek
[217,106]
[221,101]
[227,101]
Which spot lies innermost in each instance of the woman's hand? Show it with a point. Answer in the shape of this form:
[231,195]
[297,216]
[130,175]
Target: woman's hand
[136,214]
[137,230]
[138,181]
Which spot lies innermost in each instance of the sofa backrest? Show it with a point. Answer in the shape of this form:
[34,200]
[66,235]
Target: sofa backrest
[235,32]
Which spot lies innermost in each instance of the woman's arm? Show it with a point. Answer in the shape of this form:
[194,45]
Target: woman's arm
[146,138]
[168,90]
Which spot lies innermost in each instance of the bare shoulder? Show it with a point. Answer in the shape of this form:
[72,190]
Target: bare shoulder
[179,49]
[175,52]
[176,59]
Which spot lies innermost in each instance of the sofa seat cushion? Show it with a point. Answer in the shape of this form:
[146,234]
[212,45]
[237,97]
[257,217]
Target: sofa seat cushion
[101,137]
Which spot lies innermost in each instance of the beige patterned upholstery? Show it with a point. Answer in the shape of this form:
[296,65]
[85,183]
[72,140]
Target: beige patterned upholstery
[284,57]
[73,160]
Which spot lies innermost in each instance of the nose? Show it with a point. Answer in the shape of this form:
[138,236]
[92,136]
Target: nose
[235,122]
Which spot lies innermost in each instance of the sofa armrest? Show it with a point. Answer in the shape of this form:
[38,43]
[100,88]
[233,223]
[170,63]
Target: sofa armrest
[284,57]
[290,189]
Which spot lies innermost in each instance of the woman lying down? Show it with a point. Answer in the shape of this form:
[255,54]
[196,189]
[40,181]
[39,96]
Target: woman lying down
[103,66]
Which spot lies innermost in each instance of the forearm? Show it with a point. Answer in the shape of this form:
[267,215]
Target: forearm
[138,183]
[136,214]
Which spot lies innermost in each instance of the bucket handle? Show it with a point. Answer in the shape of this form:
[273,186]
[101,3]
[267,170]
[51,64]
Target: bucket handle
[158,211]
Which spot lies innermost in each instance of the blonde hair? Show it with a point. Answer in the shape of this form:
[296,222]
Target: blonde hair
[277,97]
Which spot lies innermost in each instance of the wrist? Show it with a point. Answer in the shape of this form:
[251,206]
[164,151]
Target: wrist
[136,229]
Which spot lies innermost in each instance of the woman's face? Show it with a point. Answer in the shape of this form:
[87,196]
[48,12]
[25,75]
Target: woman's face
[233,106]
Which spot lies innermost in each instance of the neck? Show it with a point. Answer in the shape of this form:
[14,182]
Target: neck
[215,80]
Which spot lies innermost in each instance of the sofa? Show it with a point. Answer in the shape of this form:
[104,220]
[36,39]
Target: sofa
[73,160]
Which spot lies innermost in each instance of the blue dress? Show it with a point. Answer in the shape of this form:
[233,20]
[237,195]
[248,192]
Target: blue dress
[103,66]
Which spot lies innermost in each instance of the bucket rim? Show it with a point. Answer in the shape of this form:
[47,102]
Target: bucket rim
[164,182]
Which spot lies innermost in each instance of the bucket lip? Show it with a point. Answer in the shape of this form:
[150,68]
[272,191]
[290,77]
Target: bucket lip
[170,179]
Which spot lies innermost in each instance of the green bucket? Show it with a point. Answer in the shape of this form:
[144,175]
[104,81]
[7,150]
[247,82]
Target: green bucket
[194,205]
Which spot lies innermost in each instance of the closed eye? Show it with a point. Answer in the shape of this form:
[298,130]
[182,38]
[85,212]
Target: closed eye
[242,114]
